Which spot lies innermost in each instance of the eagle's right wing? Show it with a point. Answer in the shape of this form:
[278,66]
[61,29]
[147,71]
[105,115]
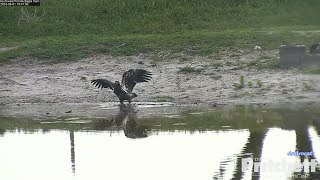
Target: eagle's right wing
[103,83]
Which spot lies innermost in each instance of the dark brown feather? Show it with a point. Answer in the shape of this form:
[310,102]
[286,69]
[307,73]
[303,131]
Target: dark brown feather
[133,76]
[103,83]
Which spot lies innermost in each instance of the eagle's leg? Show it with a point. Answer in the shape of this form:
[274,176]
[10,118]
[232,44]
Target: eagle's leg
[121,101]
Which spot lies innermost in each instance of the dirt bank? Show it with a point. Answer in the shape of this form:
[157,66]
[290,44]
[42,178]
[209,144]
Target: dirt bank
[211,79]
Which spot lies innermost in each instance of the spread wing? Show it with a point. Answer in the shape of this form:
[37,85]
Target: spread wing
[133,76]
[103,83]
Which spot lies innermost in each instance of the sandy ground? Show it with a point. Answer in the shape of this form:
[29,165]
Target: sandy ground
[33,81]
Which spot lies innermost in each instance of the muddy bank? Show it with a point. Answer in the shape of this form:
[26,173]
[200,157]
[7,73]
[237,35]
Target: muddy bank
[68,111]
[212,79]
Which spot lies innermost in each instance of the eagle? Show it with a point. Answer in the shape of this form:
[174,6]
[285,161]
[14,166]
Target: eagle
[129,79]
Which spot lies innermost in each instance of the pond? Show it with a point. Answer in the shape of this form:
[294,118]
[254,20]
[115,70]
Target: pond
[159,141]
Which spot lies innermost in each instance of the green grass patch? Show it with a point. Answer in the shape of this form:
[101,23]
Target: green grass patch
[122,17]
[296,97]
[163,98]
[64,30]
[242,94]
[259,83]
[216,65]
[189,69]
[66,48]
[241,84]
[265,63]
[271,63]
[307,87]
[315,70]
[216,76]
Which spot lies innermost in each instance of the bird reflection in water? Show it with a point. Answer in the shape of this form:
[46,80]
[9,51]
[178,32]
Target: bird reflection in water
[126,120]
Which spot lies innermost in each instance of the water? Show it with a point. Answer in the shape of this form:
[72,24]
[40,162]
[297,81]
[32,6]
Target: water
[156,142]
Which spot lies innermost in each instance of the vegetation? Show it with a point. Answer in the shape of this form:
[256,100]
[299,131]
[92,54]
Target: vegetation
[164,98]
[178,81]
[259,83]
[271,63]
[265,63]
[241,94]
[70,30]
[314,70]
[189,69]
[216,65]
[307,87]
[216,76]
[241,84]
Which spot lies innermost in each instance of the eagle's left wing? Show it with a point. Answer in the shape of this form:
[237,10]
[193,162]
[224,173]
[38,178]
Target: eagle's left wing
[133,76]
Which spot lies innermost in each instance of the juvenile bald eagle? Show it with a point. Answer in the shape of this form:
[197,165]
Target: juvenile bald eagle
[129,79]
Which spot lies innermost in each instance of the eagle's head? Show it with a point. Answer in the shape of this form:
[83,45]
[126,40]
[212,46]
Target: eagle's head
[133,95]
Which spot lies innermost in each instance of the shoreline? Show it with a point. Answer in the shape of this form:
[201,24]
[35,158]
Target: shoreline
[181,80]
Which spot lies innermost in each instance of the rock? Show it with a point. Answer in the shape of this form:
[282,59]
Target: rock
[257,48]
[315,48]
[213,104]
[291,55]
